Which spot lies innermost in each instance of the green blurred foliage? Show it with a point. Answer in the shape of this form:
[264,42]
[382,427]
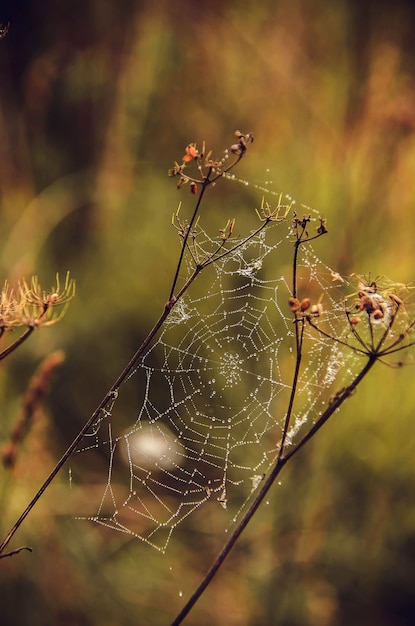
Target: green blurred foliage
[97,100]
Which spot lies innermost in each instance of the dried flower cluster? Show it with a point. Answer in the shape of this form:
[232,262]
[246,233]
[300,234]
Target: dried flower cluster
[31,307]
[378,322]
[205,165]
[301,224]
[40,307]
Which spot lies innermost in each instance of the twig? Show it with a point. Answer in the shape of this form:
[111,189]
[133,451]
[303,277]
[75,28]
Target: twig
[17,551]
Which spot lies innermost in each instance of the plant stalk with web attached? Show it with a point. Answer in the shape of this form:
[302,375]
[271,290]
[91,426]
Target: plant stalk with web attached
[214,170]
[374,350]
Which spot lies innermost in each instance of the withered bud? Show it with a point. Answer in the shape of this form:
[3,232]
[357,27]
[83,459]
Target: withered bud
[237,148]
[377,314]
[305,304]
[322,229]
[175,171]
[294,304]
[193,187]
[355,320]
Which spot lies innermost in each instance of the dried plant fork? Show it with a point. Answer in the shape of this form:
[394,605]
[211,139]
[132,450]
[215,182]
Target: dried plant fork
[209,171]
[378,311]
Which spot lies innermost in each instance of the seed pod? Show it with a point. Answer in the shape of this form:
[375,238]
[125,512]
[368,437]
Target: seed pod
[377,314]
[305,304]
[294,304]
[236,148]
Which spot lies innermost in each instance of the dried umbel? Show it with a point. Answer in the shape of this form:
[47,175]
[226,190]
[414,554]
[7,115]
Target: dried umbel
[376,301]
[30,307]
[208,170]
[40,307]
[378,321]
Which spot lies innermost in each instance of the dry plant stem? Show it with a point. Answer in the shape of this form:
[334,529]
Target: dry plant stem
[113,391]
[186,237]
[280,460]
[333,406]
[17,551]
[280,463]
[111,394]
[105,401]
[16,343]
[205,183]
[299,334]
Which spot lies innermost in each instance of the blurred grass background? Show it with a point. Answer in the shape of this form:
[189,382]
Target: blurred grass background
[97,100]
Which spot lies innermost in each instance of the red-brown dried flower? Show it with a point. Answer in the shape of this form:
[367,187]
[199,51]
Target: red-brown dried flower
[191,153]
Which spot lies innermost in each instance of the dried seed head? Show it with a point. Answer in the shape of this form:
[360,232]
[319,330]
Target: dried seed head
[9,454]
[368,304]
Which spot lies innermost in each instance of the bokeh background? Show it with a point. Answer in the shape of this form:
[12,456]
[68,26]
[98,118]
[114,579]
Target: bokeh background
[97,100]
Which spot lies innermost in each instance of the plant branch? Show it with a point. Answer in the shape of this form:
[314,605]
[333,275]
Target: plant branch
[299,334]
[207,180]
[113,391]
[187,234]
[279,464]
[16,343]
[336,402]
[110,396]
[280,459]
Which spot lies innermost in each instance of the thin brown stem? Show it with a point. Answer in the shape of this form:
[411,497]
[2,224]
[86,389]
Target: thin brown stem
[207,180]
[333,406]
[111,394]
[279,464]
[16,343]
[299,334]
[214,257]
[187,234]
[113,391]
[337,340]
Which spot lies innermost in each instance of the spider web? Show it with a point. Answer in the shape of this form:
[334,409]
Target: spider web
[213,388]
